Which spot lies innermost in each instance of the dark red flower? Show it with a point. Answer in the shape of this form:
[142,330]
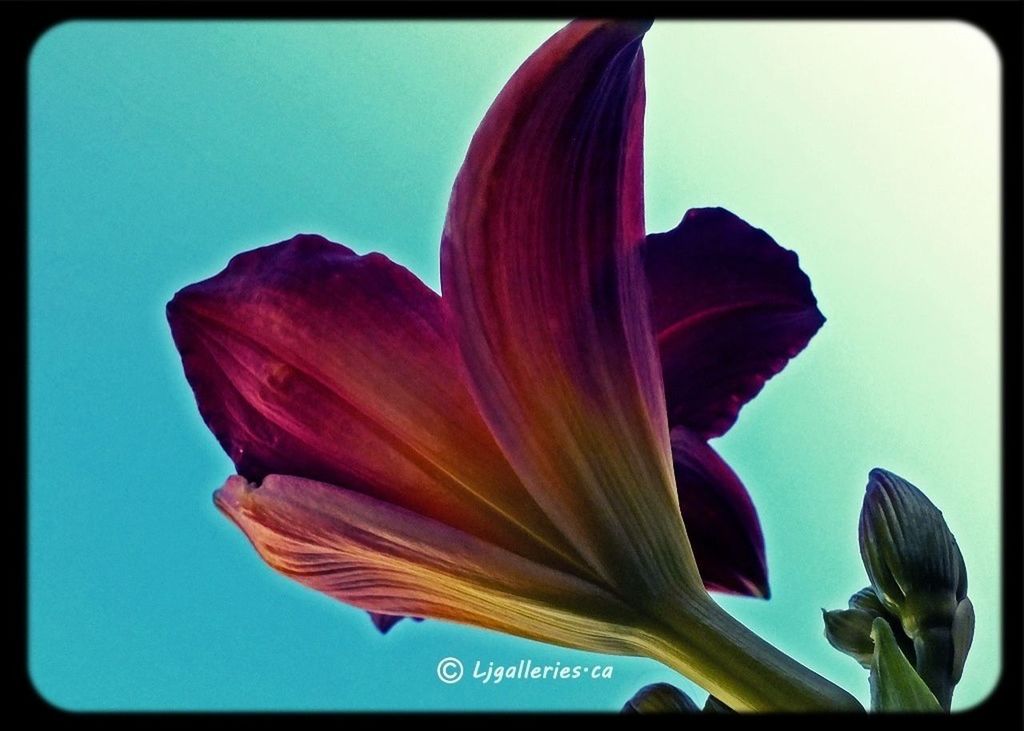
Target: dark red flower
[542,416]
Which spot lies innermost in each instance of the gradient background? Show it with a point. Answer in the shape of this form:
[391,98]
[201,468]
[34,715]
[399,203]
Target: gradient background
[158,150]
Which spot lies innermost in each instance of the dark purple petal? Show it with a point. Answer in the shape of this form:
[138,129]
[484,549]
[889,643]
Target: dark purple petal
[730,308]
[384,622]
[720,519]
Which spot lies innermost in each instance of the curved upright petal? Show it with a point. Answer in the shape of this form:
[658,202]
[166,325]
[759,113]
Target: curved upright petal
[730,307]
[720,518]
[541,274]
[307,359]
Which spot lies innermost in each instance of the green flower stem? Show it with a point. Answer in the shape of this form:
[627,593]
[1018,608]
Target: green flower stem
[700,640]
[933,649]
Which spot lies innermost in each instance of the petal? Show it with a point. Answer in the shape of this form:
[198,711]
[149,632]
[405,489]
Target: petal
[720,519]
[730,307]
[541,273]
[385,559]
[307,359]
[384,622]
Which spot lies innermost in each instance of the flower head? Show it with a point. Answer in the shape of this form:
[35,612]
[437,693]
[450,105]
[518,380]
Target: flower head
[522,453]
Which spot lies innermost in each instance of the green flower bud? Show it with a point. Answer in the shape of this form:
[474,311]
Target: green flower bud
[660,698]
[912,559]
[849,631]
[918,574]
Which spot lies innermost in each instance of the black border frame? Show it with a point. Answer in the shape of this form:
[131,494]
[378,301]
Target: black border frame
[1001,20]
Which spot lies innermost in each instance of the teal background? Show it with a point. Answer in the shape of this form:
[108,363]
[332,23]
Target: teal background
[158,150]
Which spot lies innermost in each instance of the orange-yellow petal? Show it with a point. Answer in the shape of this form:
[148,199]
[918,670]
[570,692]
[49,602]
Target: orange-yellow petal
[383,558]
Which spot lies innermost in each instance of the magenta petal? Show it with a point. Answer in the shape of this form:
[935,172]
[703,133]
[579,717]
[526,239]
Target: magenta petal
[730,307]
[309,360]
[720,519]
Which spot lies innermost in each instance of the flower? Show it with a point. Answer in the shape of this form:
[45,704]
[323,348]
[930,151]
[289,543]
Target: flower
[509,455]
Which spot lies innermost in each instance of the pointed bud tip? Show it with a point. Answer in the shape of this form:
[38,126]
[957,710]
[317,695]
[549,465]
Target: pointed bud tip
[881,479]
[878,474]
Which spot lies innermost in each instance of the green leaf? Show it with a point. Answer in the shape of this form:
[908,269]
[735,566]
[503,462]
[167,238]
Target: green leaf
[895,685]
